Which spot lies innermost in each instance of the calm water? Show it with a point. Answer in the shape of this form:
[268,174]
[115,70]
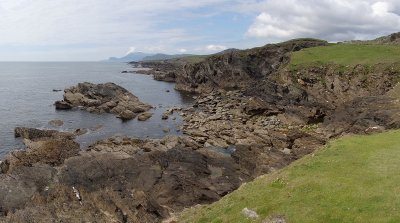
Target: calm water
[27,97]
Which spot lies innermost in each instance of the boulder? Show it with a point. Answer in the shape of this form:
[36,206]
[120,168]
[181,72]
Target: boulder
[127,115]
[62,105]
[145,116]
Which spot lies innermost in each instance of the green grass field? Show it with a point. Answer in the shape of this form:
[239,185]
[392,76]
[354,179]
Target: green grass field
[346,54]
[353,179]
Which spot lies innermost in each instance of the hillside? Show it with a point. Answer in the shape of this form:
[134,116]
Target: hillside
[353,179]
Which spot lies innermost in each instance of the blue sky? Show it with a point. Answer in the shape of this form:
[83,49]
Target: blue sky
[75,30]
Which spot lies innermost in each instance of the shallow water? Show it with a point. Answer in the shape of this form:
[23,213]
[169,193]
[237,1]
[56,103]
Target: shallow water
[27,98]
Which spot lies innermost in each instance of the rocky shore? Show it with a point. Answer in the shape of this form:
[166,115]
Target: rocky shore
[116,180]
[251,116]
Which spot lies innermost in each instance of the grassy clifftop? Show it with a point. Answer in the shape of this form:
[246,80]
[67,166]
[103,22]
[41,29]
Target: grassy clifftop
[346,54]
[353,179]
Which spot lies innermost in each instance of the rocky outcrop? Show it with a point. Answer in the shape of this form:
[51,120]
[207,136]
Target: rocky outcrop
[42,147]
[239,69]
[165,70]
[103,98]
[364,115]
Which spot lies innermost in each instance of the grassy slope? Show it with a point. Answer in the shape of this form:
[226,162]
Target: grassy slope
[353,179]
[346,54]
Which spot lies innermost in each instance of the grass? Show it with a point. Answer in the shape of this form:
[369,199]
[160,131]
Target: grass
[353,179]
[346,54]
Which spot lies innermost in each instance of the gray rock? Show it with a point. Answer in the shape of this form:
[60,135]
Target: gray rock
[127,115]
[250,213]
[56,123]
[145,116]
[100,98]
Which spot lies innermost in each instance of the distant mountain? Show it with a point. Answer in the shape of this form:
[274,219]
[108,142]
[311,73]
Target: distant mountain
[130,57]
[161,56]
[231,50]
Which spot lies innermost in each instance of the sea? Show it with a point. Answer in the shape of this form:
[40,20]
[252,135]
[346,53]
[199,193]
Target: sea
[27,99]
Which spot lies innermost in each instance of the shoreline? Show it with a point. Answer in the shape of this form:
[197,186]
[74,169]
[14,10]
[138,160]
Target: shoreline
[236,130]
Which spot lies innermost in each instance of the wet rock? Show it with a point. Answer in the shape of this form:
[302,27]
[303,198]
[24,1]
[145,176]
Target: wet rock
[81,131]
[165,116]
[63,105]
[145,116]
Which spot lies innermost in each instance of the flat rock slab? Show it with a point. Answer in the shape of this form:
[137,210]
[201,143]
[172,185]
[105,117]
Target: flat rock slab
[103,98]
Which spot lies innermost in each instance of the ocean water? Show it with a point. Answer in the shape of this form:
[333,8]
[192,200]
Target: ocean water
[27,98]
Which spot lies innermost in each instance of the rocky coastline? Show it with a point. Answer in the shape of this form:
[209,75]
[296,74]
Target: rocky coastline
[251,116]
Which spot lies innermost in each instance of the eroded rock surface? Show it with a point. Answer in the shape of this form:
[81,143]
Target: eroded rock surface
[118,180]
[103,98]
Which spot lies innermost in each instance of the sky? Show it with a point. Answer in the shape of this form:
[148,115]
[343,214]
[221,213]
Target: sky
[91,30]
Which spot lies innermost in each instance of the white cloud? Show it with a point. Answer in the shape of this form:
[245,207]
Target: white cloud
[215,48]
[182,50]
[334,20]
[48,27]
[103,23]
[131,50]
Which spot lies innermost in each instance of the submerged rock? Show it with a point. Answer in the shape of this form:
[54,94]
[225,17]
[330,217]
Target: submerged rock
[56,123]
[103,98]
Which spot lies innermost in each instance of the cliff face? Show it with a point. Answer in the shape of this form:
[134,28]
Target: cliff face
[238,69]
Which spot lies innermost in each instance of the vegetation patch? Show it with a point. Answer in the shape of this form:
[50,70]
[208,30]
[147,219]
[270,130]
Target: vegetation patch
[346,55]
[353,179]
